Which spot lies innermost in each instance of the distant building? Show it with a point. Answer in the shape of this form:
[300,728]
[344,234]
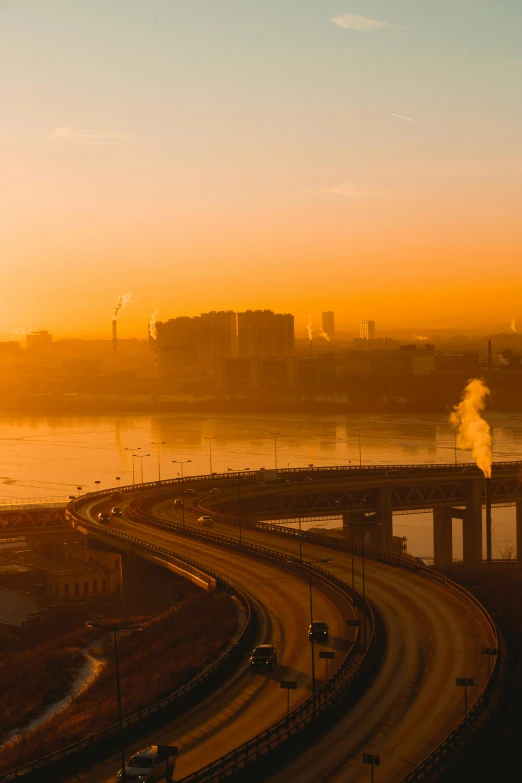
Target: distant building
[367,330]
[39,342]
[265,334]
[328,322]
[10,350]
[461,364]
[204,338]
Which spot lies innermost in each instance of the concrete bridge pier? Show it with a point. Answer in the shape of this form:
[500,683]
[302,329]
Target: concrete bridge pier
[442,537]
[519,530]
[146,588]
[385,517]
[472,525]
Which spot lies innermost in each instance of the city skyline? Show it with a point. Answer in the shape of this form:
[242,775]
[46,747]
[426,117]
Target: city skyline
[363,157]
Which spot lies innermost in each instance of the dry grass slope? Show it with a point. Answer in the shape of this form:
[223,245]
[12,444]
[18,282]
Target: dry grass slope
[173,648]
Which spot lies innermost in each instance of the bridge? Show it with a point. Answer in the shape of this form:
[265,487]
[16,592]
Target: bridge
[367,498]
[425,618]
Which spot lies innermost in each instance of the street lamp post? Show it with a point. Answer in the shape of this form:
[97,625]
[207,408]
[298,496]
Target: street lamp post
[275,434]
[310,563]
[239,503]
[182,462]
[79,490]
[360,451]
[138,448]
[141,458]
[210,438]
[118,479]
[158,444]
[97,485]
[115,629]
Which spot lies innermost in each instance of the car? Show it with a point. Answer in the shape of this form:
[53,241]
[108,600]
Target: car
[157,762]
[178,502]
[309,478]
[214,490]
[116,512]
[205,521]
[104,518]
[263,656]
[318,631]
[189,491]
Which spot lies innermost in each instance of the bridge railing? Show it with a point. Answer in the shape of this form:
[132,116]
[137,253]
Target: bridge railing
[252,476]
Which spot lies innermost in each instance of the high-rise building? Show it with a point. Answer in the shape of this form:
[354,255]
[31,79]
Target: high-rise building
[367,330]
[217,336]
[39,342]
[213,335]
[328,321]
[265,334]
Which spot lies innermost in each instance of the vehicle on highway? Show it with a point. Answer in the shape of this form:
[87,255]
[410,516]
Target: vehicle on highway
[157,762]
[309,478]
[116,512]
[205,521]
[104,518]
[318,631]
[178,502]
[214,490]
[189,491]
[263,656]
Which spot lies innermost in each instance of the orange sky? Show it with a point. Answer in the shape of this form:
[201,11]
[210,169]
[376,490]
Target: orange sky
[179,154]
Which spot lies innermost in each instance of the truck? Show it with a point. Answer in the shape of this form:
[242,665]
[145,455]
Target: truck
[267,476]
[157,762]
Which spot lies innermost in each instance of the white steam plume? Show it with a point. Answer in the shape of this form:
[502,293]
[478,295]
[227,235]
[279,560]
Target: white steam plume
[472,430]
[325,335]
[513,326]
[420,337]
[502,360]
[309,327]
[152,325]
[19,334]
[122,302]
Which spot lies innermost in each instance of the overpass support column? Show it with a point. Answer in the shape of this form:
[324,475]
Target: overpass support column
[442,537]
[472,525]
[384,516]
[519,531]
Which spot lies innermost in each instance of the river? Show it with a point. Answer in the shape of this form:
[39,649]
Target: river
[48,457]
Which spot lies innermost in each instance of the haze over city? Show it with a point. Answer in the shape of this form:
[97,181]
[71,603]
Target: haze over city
[260,391]
[240,155]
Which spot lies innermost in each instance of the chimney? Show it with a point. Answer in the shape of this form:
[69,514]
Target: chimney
[114,336]
[488,520]
[490,358]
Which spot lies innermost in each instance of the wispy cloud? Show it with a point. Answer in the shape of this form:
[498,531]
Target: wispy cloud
[402,117]
[362,23]
[351,190]
[90,136]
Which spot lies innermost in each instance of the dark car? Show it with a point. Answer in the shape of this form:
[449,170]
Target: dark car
[117,512]
[215,490]
[178,502]
[104,518]
[190,491]
[263,656]
[318,631]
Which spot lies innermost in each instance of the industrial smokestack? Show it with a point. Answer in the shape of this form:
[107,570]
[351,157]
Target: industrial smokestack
[490,358]
[114,336]
[488,520]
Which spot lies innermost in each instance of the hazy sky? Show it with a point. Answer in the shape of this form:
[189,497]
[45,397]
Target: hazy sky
[211,154]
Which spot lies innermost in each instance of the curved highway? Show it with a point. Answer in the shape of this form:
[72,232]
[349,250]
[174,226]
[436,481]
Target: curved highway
[434,634]
[249,702]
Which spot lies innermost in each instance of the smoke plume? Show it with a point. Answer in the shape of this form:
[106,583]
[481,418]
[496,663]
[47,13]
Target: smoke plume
[420,337]
[309,327]
[19,334]
[472,430]
[513,326]
[152,325]
[325,335]
[502,360]
[122,302]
